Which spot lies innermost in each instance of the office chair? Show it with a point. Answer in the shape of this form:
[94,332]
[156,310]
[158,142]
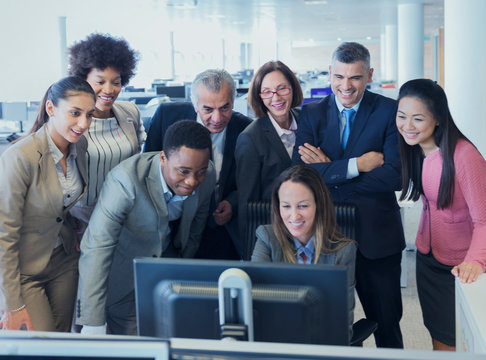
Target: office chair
[258,213]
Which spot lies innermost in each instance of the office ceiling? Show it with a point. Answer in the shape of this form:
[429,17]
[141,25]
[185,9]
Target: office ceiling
[305,21]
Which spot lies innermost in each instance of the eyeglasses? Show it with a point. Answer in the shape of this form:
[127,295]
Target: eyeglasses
[267,94]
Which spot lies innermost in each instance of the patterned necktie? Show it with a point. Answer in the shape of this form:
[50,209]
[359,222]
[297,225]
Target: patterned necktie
[304,257]
[349,116]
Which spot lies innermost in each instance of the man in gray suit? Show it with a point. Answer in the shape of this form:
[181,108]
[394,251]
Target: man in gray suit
[152,204]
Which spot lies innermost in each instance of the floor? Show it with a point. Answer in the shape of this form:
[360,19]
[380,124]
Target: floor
[415,335]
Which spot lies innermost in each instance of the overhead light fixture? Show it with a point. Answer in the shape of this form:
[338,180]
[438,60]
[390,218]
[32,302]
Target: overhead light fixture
[368,38]
[181,4]
[315,2]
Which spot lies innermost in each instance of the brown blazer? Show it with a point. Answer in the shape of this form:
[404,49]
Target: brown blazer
[32,213]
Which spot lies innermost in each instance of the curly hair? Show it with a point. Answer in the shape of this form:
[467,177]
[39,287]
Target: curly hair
[101,51]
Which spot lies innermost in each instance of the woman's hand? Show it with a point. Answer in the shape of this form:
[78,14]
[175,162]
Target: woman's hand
[16,320]
[467,272]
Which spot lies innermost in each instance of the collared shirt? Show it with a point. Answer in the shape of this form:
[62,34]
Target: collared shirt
[174,206]
[352,163]
[218,140]
[71,183]
[308,250]
[287,136]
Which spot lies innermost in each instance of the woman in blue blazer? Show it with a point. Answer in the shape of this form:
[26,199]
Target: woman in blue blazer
[304,228]
[43,175]
[264,148]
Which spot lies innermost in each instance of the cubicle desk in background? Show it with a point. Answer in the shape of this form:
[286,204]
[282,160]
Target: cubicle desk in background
[471,316]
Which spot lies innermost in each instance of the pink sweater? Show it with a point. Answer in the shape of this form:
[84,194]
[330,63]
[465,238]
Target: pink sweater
[458,232]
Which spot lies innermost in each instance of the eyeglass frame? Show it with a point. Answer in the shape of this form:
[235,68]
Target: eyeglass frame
[275,92]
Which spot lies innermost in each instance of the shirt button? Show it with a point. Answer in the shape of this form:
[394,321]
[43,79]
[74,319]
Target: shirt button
[336,187]
[68,196]
[59,220]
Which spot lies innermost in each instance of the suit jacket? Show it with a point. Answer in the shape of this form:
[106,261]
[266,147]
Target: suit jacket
[131,219]
[268,249]
[169,113]
[260,158]
[32,212]
[128,116]
[378,228]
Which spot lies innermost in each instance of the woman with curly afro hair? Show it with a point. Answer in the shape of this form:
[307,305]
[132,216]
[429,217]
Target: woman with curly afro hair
[116,133]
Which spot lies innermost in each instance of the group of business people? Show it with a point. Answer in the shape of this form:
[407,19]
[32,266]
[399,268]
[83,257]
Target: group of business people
[172,200]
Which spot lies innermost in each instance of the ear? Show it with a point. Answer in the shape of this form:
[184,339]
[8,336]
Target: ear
[370,75]
[49,108]
[163,158]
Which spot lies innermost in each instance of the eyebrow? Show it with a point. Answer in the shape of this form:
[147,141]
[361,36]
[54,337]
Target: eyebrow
[418,114]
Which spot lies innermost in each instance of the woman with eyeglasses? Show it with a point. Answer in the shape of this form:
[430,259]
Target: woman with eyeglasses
[264,148]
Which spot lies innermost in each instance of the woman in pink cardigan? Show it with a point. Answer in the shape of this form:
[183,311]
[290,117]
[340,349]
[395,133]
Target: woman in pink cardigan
[440,164]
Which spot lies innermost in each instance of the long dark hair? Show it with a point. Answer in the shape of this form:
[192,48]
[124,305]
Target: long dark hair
[446,135]
[325,229]
[57,91]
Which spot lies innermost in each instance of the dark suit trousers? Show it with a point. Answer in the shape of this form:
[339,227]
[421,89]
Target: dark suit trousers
[216,244]
[378,287]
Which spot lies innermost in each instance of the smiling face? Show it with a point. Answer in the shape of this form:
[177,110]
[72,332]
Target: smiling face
[107,86]
[184,169]
[278,105]
[416,124]
[297,209]
[70,118]
[348,81]
[214,108]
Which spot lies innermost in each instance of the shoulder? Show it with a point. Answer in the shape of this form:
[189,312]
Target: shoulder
[265,233]
[468,157]
[239,120]
[317,105]
[126,107]
[256,126]
[376,100]
[346,254]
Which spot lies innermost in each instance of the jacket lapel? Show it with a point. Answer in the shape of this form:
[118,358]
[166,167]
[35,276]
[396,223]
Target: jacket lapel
[127,123]
[329,131]
[273,139]
[154,187]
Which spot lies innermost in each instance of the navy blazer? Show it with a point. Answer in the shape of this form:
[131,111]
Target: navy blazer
[379,229]
[169,113]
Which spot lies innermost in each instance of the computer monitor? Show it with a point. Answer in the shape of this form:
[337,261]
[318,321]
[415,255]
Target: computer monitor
[292,303]
[36,345]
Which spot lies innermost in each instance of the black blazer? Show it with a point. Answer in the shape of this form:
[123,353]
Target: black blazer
[169,113]
[379,228]
[260,158]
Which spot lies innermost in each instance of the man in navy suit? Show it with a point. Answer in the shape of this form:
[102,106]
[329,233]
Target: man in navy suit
[350,137]
[212,93]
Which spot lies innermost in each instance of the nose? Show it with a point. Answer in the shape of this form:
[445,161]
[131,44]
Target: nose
[84,122]
[346,83]
[216,116]
[107,87]
[295,213]
[191,180]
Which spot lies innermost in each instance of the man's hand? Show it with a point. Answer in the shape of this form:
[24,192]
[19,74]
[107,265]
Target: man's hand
[310,154]
[369,161]
[16,320]
[467,272]
[223,213]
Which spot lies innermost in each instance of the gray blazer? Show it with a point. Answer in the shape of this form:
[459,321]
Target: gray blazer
[130,220]
[268,249]
[32,213]
[128,116]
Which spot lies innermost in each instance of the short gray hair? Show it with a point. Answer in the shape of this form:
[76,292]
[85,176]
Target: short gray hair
[213,80]
[351,52]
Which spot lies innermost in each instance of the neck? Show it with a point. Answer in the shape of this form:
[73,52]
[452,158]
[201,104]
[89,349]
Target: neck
[284,121]
[429,149]
[103,114]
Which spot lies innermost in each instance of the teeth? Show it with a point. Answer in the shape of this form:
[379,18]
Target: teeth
[106,98]
[77,132]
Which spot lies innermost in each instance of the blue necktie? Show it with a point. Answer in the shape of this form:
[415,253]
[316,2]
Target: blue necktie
[349,116]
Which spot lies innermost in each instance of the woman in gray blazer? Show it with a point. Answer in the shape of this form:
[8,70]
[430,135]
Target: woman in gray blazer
[42,176]
[304,228]
[117,132]
[264,148]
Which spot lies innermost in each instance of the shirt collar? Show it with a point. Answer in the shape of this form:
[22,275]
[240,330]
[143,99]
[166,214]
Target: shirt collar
[280,131]
[57,155]
[308,248]
[341,107]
